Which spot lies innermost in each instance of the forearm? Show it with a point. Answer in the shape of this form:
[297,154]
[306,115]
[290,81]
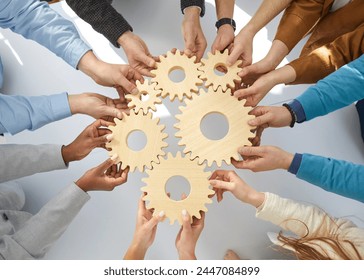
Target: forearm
[102,16]
[43,229]
[266,12]
[224,8]
[340,89]
[337,176]
[18,113]
[35,20]
[135,252]
[24,160]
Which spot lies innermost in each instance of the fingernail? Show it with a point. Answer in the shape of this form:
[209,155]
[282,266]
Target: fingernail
[119,115]
[240,150]
[114,157]
[184,212]
[251,122]
[109,137]
[135,91]
[161,214]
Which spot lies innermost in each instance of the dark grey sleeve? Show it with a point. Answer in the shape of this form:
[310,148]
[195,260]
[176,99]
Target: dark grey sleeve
[102,17]
[189,3]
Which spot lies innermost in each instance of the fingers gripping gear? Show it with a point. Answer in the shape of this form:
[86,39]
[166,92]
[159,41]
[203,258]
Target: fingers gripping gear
[177,89]
[146,88]
[158,177]
[214,61]
[214,150]
[153,148]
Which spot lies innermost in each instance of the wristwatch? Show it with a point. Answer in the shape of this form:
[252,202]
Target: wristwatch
[225,21]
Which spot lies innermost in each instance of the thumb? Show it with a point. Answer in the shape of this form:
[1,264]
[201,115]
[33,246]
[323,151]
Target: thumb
[153,222]
[262,121]
[186,221]
[234,55]
[127,85]
[147,60]
[112,112]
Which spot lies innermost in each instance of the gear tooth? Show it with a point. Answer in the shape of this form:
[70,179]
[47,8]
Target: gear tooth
[164,135]
[198,215]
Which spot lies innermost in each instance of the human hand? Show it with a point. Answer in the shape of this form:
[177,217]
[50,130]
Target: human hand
[188,235]
[93,136]
[242,48]
[137,53]
[195,41]
[104,177]
[225,36]
[227,180]
[263,158]
[145,230]
[270,116]
[120,76]
[97,106]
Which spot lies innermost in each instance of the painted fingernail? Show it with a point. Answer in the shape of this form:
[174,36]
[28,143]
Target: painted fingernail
[184,212]
[161,214]
[109,137]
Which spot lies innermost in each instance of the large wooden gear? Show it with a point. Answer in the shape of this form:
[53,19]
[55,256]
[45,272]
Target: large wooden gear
[153,148]
[214,150]
[145,88]
[158,177]
[172,62]
[214,61]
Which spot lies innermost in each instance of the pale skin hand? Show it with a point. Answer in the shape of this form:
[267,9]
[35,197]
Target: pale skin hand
[225,34]
[242,48]
[188,235]
[111,75]
[137,53]
[275,55]
[263,158]
[145,231]
[258,90]
[101,178]
[195,41]
[227,180]
[93,136]
[97,106]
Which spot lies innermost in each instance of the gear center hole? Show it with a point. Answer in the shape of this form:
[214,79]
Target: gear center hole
[176,186]
[214,126]
[144,96]
[137,140]
[177,74]
[220,69]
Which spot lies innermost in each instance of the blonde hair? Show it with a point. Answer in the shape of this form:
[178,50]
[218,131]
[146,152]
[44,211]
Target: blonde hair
[305,247]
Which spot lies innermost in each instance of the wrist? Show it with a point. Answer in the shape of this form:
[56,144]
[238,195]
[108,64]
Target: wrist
[287,161]
[75,103]
[135,252]
[192,12]
[67,154]
[125,37]
[186,255]
[255,198]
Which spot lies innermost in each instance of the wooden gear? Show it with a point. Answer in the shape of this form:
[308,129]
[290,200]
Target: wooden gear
[173,62]
[214,150]
[199,187]
[212,79]
[153,148]
[146,88]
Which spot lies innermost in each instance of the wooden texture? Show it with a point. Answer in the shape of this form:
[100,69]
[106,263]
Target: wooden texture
[153,148]
[212,79]
[156,184]
[172,62]
[214,150]
[148,89]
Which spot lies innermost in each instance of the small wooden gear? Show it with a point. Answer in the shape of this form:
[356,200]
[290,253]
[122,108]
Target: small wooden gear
[153,148]
[145,88]
[177,89]
[199,187]
[214,61]
[214,150]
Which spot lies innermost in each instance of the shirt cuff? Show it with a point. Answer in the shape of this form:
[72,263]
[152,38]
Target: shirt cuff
[188,3]
[60,106]
[297,108]
[296,163]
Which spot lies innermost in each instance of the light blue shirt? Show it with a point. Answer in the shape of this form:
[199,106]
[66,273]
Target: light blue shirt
[35,20]
[18,113]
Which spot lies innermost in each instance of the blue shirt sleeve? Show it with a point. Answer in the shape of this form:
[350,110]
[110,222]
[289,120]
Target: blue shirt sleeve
[339,89]
[18,113]
[337,176]
[35,20]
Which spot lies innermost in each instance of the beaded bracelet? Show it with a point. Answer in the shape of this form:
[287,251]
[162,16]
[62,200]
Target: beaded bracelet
[293,115]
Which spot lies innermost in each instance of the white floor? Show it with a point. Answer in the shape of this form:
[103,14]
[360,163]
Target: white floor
[105,225]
